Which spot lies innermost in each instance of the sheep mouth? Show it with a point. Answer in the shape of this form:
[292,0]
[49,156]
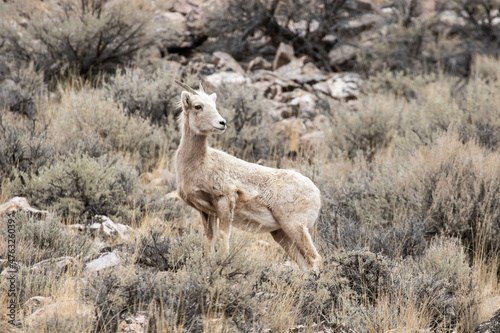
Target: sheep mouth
[220,129]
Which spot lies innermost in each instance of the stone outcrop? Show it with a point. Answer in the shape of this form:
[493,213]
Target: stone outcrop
[19,204]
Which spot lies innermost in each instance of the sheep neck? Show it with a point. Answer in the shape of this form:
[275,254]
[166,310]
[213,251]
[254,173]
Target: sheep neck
[193,147]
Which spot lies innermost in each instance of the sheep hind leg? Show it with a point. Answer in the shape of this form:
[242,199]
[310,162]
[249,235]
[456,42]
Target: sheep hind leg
[225,232]
[303,241]
[310,251]
[290,248]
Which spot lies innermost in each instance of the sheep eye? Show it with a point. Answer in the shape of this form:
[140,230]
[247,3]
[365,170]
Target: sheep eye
[198,107]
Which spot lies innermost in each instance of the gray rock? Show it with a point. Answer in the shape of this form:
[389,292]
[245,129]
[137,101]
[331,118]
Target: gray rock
[173,30]
[284,55]
[19,203]
[299,72]
[60,264]
[137,323]
[345,86]
[110,230]
[259,63]
[226,63]
[341,55]
[306,104]
[492,325]
[229,79]
[110,259]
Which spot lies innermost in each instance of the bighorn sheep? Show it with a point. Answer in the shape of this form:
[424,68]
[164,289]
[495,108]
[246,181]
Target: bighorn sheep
[229,191]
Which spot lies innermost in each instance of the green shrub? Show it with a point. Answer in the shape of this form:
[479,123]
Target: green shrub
[472,114]
[81,115]
[24,145]
[443,284]
[249,134]
[79,187]
[150,93]
[20,88]
[88,36]
[187,296]
[119,291]
[365,131]
[455,187]
[447,187]
[480,119]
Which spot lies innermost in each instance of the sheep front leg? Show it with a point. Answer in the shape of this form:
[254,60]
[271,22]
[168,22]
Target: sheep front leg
[209,225]
[225,212]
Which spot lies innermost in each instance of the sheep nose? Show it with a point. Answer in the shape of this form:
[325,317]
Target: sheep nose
[223,123]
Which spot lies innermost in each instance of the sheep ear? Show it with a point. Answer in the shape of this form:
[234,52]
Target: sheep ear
[185,100]
[213,97]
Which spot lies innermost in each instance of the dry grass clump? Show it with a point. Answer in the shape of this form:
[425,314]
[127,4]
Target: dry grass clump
[480,118]
[167,253]
[79,187]
[195,293]
[39,239]
[86,36]
[447,187]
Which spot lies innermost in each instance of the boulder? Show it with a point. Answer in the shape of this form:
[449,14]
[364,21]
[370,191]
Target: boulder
[106,260]
[322,87]
[284,55]
[173,30]
[61,264]
[19,203]
[259,63]
[196,19]
[299,72]
[58,309]
[305,102]
[364,22]
[272,78]
[280,110]
[110,230]
[291,70]
[311,73]
[183,7]
[137,323]
[492,325]
[451,18]
[225,62]
[226,79]
[345,86]
[342,54]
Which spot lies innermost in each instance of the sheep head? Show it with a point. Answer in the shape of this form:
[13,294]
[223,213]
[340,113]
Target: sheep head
[200,112]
